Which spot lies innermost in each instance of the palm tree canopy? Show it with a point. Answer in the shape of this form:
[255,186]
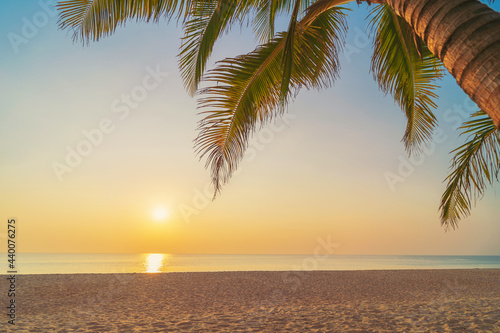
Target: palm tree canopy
[246,91]
[91,20]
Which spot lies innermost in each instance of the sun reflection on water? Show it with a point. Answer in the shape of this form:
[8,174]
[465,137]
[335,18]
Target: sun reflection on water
[154,262]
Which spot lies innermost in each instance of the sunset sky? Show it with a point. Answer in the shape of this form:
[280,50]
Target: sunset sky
[318,173]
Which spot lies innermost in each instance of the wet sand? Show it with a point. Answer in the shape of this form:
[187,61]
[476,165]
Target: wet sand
[314,301]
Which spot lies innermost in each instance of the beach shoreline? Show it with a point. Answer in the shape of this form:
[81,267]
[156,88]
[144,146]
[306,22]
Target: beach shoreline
[445,300]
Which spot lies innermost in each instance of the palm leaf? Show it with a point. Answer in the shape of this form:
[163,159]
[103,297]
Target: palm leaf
[475,165]
[265,17]
[404,67]
[288,52]
[91,20]
[246,90]
[208,20]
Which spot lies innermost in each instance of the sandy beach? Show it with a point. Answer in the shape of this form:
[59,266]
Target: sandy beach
[314,301]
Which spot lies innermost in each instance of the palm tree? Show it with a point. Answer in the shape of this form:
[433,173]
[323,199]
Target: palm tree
[475,165]
[412,41]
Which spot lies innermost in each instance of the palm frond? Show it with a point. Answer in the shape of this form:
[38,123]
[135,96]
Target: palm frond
[246,90]
[208,20]
[404,67]
[267,11]
[265,17]
[319,7]
[475,165]
[288,52]
[91,20]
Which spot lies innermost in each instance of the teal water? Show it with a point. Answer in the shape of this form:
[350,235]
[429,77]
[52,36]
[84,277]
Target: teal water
[49,263]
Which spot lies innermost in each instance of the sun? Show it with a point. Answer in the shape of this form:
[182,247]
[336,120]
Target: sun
[160,213]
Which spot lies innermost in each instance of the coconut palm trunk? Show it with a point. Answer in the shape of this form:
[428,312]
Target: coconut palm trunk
[465,35]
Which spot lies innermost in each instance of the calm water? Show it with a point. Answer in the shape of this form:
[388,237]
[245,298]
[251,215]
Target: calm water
[38,263]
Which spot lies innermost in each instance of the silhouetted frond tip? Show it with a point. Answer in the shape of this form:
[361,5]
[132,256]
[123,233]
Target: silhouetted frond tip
[404,67]
[245,91]
[475,165]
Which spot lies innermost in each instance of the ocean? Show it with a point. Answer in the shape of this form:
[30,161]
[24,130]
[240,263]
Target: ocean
[60,263]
